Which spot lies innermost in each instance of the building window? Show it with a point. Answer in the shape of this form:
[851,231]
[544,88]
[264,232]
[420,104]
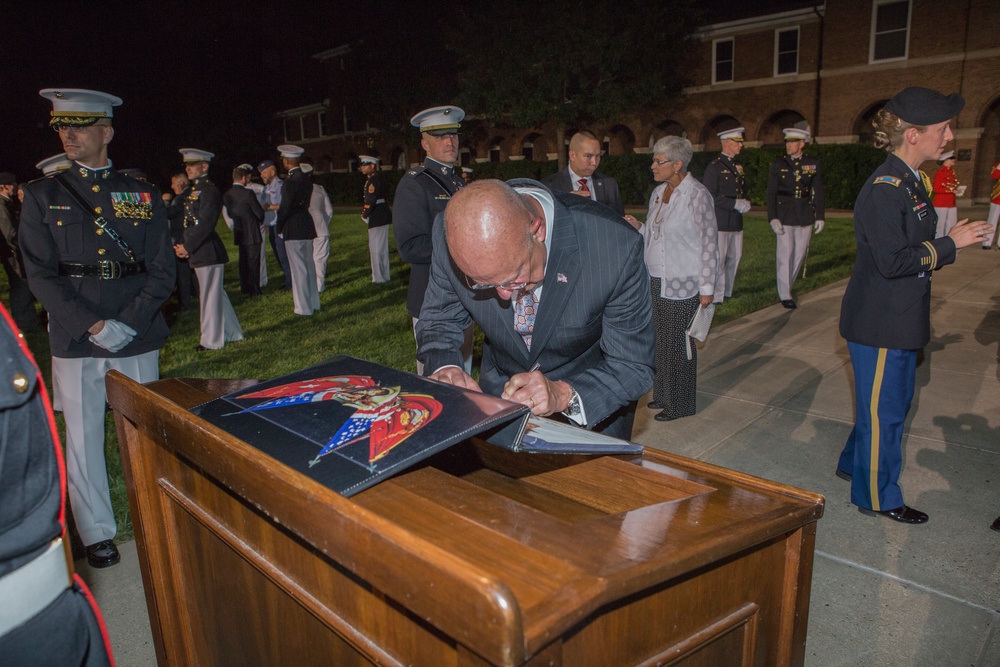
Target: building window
[321,122]
[528,150]
[890,30]
[722,60]
[786,51]
[494,153]
[284,128]
[464,157]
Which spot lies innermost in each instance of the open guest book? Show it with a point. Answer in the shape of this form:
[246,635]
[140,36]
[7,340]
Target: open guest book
[347,422]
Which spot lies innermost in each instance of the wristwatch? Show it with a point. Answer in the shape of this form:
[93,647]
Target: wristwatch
[575,406]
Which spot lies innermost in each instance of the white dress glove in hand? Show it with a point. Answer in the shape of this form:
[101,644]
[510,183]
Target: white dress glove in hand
[818,226]
[776,226]
[742,205]
[114,336]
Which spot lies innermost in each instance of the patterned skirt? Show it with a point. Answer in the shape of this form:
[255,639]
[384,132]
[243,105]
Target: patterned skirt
[676,378]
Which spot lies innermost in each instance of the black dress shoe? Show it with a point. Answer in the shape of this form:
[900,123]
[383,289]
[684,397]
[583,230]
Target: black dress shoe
[902,514]
[846,476]
[996,524]
[789,303]
[200,348]
[103,554]
[663,417]
[655,405]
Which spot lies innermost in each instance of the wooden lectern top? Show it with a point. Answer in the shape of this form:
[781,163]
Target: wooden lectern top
[477,556]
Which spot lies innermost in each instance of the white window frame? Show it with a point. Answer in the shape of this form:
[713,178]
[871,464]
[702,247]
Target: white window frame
[715,65]
[777,51]
[321,123]
[871,41]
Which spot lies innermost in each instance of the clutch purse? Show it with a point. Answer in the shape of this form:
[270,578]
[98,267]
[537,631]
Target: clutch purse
[699,325]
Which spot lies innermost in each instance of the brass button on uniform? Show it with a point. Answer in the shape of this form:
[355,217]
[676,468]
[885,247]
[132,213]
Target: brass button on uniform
[58,223]
[100,231]
[96,188]
[101,251]
[97,209]
[20,383]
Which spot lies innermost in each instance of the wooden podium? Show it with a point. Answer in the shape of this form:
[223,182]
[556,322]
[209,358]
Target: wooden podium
[478,556]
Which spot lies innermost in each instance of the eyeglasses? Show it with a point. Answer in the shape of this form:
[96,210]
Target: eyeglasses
[660,163]
[509,287]
[513,285]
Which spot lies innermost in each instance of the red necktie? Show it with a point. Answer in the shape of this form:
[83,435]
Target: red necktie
[583,186]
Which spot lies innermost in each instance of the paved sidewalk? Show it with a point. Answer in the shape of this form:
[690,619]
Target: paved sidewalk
[775,400]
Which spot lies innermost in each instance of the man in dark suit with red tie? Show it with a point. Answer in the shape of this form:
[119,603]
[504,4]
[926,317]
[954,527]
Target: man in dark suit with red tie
[581,176]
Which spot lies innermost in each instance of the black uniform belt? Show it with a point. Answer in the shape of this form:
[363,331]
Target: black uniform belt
[794,195]
[106,269]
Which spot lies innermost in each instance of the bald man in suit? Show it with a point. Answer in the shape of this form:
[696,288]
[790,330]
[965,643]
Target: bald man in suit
[558,285]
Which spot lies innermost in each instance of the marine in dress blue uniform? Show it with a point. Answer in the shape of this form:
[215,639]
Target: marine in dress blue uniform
[202,206]
[102,267]
[795,207]
[421,195]
[378,216]
[885,314]
[48,616]
[726,181]
[295,225]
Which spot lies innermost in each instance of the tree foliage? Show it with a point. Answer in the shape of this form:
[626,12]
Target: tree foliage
[569,61]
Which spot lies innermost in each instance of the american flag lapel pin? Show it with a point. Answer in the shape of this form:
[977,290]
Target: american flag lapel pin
[561,277]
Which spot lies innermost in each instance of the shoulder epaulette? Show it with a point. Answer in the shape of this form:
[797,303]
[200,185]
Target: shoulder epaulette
[416,170]
[891,180]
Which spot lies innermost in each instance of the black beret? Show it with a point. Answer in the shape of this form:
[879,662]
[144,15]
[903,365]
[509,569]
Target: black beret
[7,178]
[923,106]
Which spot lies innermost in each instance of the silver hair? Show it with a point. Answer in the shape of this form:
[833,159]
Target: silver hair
[674,148]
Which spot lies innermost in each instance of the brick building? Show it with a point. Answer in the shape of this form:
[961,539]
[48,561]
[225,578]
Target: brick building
[833,64]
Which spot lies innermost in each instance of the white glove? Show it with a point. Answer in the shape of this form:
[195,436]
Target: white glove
[818,226]
[776,226]
[742,205]
[114,336]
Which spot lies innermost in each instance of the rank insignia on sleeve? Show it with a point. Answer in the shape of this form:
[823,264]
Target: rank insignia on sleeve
[891,180]
[371,188]
[137,205]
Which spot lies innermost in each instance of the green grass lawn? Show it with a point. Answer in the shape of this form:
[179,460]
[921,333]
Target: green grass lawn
[370,321]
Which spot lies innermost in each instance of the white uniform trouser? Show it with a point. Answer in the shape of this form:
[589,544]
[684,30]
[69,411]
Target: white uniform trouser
[730,252]
[378,250]
[321,253]
[947,218]
[303,270]
[263,256]
[82,394]
[790,255]
[219,324]
[992,218]
[466,347]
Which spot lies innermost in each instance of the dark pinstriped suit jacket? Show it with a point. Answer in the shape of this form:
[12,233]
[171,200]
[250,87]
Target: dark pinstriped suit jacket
[594,327]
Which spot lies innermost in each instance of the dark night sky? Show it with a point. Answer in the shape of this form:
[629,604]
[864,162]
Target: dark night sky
[204,75]
[189,74]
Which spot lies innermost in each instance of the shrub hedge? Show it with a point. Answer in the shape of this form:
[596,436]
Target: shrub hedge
[845,168]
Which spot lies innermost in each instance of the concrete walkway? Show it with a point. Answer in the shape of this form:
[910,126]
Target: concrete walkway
[775,400]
